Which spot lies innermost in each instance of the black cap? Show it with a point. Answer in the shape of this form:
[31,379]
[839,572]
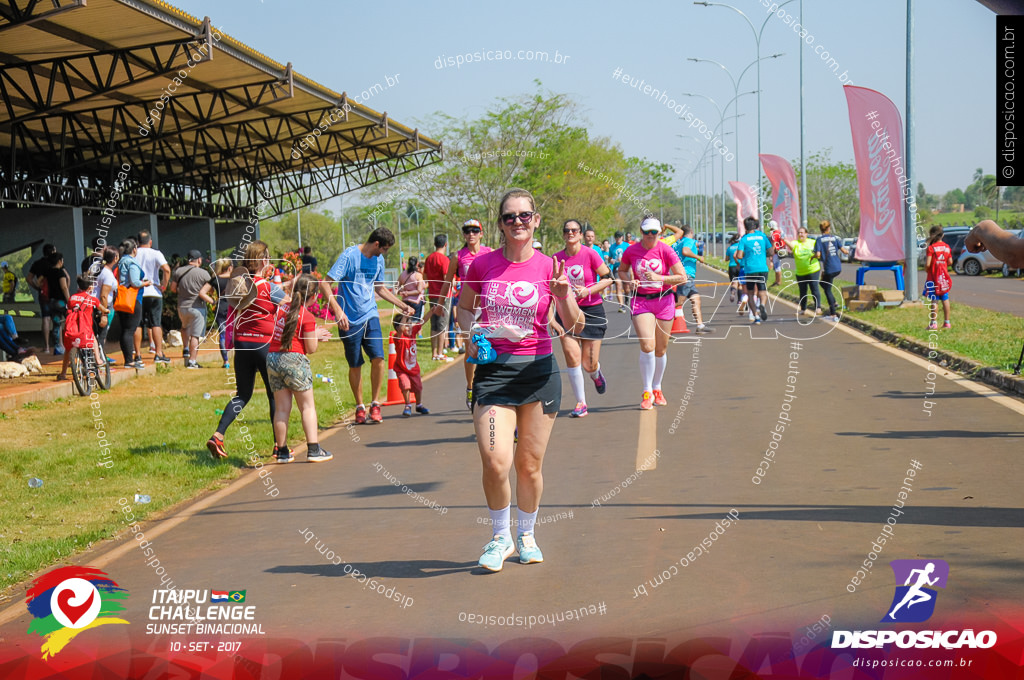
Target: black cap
[194,255]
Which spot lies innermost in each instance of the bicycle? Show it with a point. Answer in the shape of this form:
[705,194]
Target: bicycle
[86,375]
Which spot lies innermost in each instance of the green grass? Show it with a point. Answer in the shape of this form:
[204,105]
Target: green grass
[157,427]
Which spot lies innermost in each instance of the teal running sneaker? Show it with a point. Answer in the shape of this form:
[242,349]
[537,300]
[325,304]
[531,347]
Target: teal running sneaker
[496,552]
[528,550]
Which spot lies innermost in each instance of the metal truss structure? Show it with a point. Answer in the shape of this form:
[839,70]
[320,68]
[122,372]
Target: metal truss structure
[201,125]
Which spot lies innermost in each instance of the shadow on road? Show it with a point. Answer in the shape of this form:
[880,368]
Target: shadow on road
[932,434]
[871,514]
[386,569]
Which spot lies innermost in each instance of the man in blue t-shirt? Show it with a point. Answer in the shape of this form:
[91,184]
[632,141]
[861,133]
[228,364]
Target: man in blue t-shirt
[827,249]
[754,250]
[614,260]
[359,273]
[686,247]
[735,272]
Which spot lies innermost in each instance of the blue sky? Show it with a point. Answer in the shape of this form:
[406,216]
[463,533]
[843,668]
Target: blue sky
[352,46]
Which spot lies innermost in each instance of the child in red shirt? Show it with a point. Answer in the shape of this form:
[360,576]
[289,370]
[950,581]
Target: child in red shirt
[407,368]
[938,284]
[78,327]
[288,372]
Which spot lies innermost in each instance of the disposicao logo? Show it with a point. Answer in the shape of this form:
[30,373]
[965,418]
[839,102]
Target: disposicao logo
[909,595]
[69,600]
[914,602]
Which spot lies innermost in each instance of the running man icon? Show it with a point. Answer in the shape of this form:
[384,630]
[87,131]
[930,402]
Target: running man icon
[916,576]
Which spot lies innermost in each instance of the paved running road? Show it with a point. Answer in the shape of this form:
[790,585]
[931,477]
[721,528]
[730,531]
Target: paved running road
[857,421]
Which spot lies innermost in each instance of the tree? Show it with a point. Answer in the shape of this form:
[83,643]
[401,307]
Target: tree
[953,198]
[832,193]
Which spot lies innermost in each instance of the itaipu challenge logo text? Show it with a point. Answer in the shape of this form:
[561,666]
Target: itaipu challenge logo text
[70,600]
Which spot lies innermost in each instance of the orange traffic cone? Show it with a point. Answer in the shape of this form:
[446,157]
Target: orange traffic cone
[394,391]
[679,325]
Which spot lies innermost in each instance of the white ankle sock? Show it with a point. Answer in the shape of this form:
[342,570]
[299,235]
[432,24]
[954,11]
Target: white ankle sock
[501,520]
[526,520]
[597,370]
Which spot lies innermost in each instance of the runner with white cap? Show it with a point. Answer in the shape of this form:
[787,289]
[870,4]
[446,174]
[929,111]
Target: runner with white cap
[472,232]
[584,268]
[654,268]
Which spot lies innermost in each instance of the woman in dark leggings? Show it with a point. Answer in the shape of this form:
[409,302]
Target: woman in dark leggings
[254,302]
[130,274]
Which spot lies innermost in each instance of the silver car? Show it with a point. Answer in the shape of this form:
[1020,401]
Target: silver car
[974,264]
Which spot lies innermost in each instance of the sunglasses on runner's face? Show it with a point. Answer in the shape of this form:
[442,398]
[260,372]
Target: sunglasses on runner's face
[570,231]
[524,217]
[472,230]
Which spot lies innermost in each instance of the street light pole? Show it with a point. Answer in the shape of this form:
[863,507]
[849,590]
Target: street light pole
[757,43]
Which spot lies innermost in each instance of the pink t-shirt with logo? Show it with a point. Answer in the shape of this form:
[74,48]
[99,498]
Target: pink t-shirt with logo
[581,270]
[658,260]
[466,258]
[516,294]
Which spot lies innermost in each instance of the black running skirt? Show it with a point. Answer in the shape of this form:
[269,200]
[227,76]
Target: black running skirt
[597,323]
[516,384]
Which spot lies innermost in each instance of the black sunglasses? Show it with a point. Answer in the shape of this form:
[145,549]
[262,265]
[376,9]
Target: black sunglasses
[570,231]
[524,217]
[472,230]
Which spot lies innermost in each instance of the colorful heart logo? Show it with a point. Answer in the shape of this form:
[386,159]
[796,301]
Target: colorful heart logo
[73,612]
[523,294]
[75,603]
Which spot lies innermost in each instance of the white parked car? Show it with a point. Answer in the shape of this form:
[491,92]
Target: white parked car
[974,264]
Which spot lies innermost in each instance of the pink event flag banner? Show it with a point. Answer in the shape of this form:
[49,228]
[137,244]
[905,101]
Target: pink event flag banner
[746,202]
[785,200]
[877,148]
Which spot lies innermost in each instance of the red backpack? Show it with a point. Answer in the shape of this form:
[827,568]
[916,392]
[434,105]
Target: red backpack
[78,325]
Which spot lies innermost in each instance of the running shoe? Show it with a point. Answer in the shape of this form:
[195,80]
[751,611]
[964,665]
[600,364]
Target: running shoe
[529,552]
[757,322]
[946,325]
[111,360]
[704,328]
[216,447]
[423,410]
[751,317]
[659,398]
[191,364]
[283,455]
[162,359]
[600,383]
[227,364]
[318,456]
[360,415]
[732,295]
[407,411]
[462,350]
[58,351]
[933,326]
[469,399]
[764,313]
[580,411]
[647,402]
[375,416]
[138,364]
[496,552]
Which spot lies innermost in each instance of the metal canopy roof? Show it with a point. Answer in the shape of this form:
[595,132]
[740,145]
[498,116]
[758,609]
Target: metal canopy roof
[78,79]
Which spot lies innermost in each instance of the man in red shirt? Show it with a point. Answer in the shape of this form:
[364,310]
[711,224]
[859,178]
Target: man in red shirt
[434,271]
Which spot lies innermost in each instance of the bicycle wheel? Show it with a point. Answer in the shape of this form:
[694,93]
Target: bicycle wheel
[80,372]
[103,376]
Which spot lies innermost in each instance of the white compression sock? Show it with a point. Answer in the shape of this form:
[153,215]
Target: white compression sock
[647,369]
[659,370]
[576,379]
[526,520]
[501,520]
